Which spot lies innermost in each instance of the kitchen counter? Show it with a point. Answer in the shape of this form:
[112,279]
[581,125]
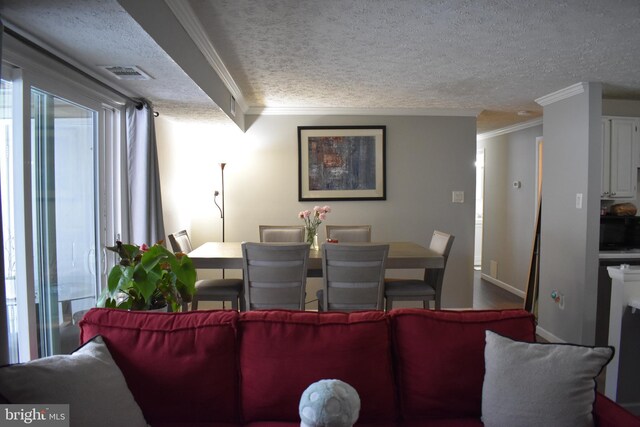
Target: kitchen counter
[607,259]
[629,254]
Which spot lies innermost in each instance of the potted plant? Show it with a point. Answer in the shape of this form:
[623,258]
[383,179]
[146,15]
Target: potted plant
[148,278]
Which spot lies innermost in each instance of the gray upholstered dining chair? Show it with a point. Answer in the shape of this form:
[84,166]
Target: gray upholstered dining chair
[353,276]
[281,233]
[208,289]
[430,287]
[275,275]
[349,233]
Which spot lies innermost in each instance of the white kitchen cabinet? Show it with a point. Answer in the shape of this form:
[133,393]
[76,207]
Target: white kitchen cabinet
[619,157]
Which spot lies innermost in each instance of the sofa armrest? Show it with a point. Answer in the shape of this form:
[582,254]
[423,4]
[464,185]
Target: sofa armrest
[607,413]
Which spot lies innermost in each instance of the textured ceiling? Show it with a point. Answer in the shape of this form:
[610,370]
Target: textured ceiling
[491,56]
[97,32]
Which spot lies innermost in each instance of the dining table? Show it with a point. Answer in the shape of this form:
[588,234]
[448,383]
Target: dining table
[402,255]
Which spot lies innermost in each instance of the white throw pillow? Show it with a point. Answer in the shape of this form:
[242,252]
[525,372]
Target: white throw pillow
[88,380]
[536,384]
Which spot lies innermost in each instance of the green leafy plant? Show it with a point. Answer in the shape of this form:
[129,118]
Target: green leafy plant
[148,278]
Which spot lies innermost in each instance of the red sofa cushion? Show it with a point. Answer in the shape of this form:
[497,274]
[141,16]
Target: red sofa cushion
[440,358]
[607,413]
[444,422]
[180,367]
[283,352]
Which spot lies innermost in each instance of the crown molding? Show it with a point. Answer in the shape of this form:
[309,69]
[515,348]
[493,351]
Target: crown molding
[565,93]
[347,111]
[510,129]
[193,27]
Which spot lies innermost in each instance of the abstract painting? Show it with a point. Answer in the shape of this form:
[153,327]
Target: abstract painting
[341,163]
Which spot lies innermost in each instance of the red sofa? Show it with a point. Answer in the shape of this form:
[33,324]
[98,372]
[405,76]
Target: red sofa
[411,367]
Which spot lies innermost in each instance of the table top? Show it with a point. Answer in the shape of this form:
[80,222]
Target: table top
[401,255]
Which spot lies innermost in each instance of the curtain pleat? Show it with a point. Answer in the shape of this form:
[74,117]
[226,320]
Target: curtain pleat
[146,224]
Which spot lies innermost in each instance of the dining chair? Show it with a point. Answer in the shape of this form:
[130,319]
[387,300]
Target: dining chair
[353,276]
[281,233]
[349,233]
[275,275]
[430,287]
[209,289]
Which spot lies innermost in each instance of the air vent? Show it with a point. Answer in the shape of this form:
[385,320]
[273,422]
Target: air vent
[126,72]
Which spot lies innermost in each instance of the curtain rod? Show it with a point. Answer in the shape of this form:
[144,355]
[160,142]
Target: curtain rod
[139,103]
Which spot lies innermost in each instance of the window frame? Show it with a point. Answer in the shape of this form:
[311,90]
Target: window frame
[26,68]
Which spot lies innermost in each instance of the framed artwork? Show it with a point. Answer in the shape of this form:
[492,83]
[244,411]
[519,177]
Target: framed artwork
[341,163]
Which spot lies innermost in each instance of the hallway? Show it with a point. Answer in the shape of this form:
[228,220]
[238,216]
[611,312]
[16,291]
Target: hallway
[487,296]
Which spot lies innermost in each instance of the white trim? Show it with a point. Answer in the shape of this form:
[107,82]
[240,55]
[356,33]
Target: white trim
[561,94]
[23,226]
[510,129]
[503,285]
[345,111]
[538,183]
[192,25]
[548,335]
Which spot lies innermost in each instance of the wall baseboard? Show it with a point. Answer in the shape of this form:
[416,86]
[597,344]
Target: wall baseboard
[548,335]
[507,287]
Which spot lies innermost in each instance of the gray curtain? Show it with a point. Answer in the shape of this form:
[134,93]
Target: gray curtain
[146,224]
[4,327]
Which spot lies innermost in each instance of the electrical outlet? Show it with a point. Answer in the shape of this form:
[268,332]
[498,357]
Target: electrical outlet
[558,298]
[457,196]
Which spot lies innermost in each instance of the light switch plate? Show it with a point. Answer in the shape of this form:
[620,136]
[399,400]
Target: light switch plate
[457,196]
[578,200]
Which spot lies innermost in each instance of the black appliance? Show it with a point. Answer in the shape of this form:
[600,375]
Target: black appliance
[619,233]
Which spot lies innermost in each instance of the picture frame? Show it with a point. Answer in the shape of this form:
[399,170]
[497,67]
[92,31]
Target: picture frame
[341,163]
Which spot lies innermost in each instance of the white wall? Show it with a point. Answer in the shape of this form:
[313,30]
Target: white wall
[569,236]
[509,213]
[427,158]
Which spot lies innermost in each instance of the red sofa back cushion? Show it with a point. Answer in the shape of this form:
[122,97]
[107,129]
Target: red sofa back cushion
[283,352]
[440,357]
[180,367]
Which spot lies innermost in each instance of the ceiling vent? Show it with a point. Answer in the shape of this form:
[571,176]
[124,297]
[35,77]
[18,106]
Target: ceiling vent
[126,72]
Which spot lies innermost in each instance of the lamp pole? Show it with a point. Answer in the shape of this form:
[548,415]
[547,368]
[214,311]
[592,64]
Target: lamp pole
[221,209]
[222,165]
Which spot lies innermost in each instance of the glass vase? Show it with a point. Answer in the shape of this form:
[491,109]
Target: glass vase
[312,239]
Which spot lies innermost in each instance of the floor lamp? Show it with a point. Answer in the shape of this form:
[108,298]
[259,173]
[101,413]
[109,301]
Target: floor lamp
[216,193]
[221,209]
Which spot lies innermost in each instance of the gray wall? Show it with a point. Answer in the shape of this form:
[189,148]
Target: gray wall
[509,213]
[572,165]
[427,159]
[569,236]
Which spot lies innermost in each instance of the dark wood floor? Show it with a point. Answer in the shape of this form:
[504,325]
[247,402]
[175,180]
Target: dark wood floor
[487,296]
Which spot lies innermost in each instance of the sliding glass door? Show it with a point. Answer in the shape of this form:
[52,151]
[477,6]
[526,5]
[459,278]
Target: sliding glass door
[60,165]
[64,204]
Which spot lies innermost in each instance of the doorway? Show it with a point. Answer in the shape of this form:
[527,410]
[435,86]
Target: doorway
[477,253]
